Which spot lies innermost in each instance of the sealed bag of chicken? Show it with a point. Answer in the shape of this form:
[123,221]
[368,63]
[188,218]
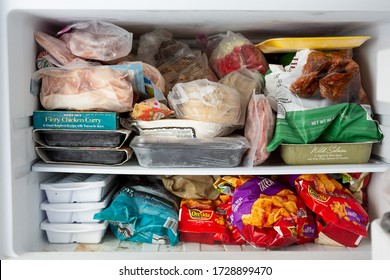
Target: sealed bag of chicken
[267,214]
[341,220]
[320,99]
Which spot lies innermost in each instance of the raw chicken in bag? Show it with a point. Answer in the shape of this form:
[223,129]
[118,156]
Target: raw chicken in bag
[97,40]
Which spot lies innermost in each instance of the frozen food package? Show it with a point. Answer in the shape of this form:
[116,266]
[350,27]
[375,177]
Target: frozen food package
[205,221]
[150,109]
[143,211]
[320,99]
[175,60]
[234,52]
[259,129]
[152,79]
[57,51]
[204,100]
[183,128]
[100,88]
[293,44]
[268,214]
[341,220]
[246,82]
[191,186]
[162,151]
[97,40]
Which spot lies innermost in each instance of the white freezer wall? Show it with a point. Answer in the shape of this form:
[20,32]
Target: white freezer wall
[19,189]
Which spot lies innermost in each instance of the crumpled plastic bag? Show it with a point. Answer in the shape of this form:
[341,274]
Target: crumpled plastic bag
[235,52]
[92,88]
[143,211]
[191,186]
[305,115]
[204,100]
[97,40]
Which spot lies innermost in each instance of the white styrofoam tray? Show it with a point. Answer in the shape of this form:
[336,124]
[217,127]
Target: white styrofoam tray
[75,187]
[74,233]
[82,212]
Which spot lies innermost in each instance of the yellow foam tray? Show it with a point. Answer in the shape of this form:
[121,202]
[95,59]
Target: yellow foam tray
[285,45]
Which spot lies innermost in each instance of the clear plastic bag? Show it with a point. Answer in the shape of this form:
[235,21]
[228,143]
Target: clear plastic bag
[234,52]
[208,101]
[175,60]
[97,40]
[246,82]
[93,88]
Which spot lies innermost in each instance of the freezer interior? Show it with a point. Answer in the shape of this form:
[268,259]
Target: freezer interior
[22,170]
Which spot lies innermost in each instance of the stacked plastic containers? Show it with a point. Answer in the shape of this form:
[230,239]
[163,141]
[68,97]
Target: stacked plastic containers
[72,201]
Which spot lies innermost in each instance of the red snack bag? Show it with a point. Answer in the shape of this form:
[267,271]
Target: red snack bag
[205,221]
[341,220]
[267,214]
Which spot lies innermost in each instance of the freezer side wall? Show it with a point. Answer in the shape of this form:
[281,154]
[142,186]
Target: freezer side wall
[25,214]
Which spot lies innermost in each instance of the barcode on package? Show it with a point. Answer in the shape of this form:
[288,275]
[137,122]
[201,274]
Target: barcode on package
[172,224]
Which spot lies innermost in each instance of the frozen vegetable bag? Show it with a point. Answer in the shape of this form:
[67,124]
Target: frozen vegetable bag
[143,211]
[320,99]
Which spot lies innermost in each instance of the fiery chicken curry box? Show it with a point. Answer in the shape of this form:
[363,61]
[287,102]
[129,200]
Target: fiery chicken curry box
[326,153]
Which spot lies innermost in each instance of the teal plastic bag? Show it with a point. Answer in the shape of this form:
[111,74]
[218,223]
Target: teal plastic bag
[143,211]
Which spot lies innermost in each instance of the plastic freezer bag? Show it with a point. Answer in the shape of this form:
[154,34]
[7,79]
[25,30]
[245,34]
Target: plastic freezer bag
[97,40]
[320,99]
[143,211]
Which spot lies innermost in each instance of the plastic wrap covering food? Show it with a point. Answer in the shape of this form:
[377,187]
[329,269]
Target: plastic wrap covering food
[206,221]
[191,186]
[100,88]
[150,109]
[259,129]
[175,60]
[80,138]
[341,220]
[208,101]
[58,53]
[267,214]
[234,52]
[182,128]
[152,78]
[189,152]
[246,82]
[97,40]
[320,99]
[143,211]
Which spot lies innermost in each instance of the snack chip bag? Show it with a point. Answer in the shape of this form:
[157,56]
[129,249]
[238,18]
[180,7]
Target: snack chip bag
[341,220]
[205,221]
[267,214]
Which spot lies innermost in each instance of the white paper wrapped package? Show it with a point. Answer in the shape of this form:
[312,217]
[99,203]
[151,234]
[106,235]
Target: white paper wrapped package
[207,101]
